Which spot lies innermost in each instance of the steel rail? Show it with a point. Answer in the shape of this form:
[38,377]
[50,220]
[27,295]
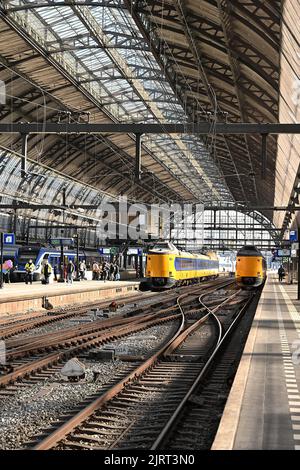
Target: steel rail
[57,435]
[168,427]
[54,358]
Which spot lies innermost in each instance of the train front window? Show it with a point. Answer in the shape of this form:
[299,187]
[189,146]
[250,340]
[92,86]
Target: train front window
[162,247]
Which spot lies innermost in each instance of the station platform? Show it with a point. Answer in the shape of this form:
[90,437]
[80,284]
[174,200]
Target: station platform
[22,298]
[263,409]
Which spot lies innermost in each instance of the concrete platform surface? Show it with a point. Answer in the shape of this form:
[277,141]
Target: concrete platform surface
[263,409]
[19,297]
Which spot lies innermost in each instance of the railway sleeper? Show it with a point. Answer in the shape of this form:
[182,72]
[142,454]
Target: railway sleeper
[86,437]
[74,445]
[103,425]
[101,431]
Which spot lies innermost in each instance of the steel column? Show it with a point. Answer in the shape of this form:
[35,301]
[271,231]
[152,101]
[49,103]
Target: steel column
[263,155]
[24,155]
[138,157]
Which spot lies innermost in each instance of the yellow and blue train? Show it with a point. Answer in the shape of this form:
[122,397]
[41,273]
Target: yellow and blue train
[251,267]
[167,267]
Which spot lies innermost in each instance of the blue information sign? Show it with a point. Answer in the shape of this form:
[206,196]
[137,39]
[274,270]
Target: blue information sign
[8,239]
[293,236]
[113,250]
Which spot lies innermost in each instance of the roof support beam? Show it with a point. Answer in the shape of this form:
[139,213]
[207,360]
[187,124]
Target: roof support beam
[209,90]
[203,128]
[224,12]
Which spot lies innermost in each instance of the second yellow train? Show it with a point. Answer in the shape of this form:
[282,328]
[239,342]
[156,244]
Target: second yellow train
[251,267]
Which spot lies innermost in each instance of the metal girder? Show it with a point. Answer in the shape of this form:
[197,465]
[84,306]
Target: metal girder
[160,51]
[263,15]
[25,205]
[163,192]
[116,40]
[166,193]
[90,22]
[193,51]
[203,128]
[212,34]
[241,228]
[251,208]
[10,7]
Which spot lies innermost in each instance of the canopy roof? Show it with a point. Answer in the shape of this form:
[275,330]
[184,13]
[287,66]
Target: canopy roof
[147,61]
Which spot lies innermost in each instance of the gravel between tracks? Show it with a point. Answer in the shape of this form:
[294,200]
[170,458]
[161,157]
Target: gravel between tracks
[33,408]
[80,320]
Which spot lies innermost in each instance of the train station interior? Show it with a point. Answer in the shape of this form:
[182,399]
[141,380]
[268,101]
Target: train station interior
[150,225]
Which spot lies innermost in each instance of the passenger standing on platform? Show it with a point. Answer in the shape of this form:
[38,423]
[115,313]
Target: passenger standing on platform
[281,273]
[7,269]
[70,271]
[55,272]
[29,270]
[46,271]
[100,271]
[111,272]
[82,269]
[105,271]
[117,272]
[96,271]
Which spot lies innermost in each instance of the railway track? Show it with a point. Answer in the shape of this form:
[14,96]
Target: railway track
[41,366]
[194,422]
[134,412]
[21,325]
[32,360]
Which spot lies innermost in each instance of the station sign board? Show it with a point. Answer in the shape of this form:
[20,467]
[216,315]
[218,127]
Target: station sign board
[8,238]
[104,251]
[108,251]
[284,252]
[62,241]
[282,259]
[293,236]
[135,251]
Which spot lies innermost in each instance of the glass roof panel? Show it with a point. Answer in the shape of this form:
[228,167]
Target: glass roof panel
[88,39]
